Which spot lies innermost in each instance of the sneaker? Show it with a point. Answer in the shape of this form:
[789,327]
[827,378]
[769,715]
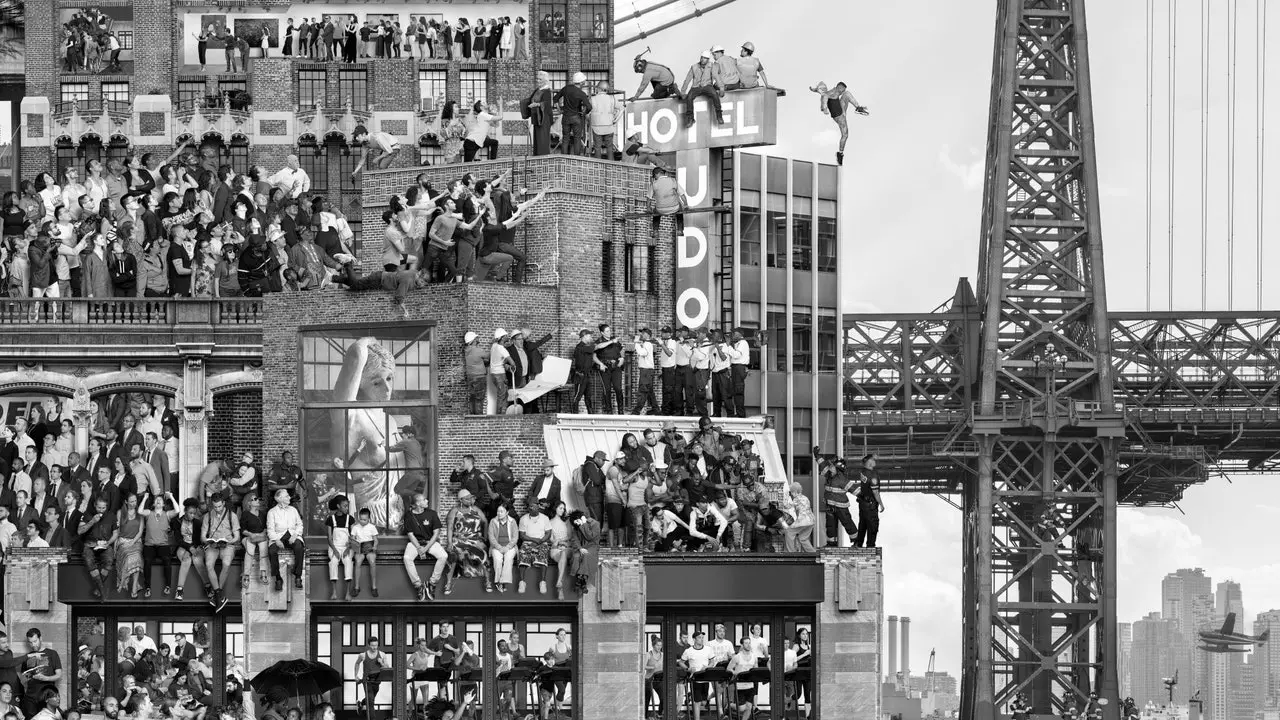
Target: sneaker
[213,597]
[421,592]
[279,585]
[429,592]
[222,601]
[167,590]
[560,593]
[488,586]
[448,586]
[542,587]
[355,592]
[373,592]
[177,594]
[147,593]
[521,587]
[840,158]
[208,591]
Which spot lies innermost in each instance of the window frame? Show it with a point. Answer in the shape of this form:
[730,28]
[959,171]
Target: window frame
[551,8]
[432,78]
[587,21]
[308,75]
[467,82]
[353,85]
[113,104]
[312,160]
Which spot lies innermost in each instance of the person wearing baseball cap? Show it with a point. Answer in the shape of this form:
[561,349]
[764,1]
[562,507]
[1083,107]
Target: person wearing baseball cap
[728,69]
[605,111]
[589,483]
[750,69]
[499,363]
[576,106]
[703,80]
[477,373]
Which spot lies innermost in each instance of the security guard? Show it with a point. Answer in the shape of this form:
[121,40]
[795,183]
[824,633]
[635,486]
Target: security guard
[835,491]
[869,504]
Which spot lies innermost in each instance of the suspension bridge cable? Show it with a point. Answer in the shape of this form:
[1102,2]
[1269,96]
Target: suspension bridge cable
[1206,22]
[1173,128]
[1150,83]
[1260,166]
[1233,21]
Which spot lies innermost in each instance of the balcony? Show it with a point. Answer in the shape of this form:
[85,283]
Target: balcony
[36,325]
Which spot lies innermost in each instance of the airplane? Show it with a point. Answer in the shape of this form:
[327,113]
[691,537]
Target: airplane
[1222,649]
[1227,638]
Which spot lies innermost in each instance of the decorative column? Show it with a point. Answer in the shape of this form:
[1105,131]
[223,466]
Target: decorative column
[81,408]
[847,636]
[196,406]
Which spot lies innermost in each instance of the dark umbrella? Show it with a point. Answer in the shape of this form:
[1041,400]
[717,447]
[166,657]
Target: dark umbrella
[298,678]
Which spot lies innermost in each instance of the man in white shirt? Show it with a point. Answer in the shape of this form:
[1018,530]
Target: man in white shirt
[169,445]
[700,361]
[499,363]
[644,350]
[21,438]
[727,509]
[696,658]
[721,386]
[139,640]
[705,521]
[739,359]
[724,650]
[284,532]
[7,530]
[606,108]
[482,120]
[666,354]
[292,179]
[385,147]
[684,373]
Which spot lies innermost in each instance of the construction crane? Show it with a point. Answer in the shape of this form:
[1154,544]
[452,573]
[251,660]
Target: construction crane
[651,18]
[929,674]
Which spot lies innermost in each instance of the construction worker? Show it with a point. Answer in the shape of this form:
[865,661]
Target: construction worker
[703,79]
[576,105]
[729,76]
[750,70]
[836,487]
[660,77]
[605,111]
[869,504]
[835,102]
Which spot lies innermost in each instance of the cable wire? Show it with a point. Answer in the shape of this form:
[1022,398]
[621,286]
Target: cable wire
[1150,129]
[1260,166]
[1206,23]
[1233,20]
[1173,128]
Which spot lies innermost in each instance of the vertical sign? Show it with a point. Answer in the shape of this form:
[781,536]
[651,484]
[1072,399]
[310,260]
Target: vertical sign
[695,274]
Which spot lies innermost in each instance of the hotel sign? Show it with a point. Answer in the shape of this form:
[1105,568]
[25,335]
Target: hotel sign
[750,119]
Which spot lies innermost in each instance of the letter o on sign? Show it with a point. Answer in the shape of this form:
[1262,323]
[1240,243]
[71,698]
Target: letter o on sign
[692,308]
[663,136]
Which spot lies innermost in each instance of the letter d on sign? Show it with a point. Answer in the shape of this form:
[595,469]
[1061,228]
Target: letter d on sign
[684,257]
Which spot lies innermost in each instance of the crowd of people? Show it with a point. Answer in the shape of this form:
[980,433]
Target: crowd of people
[89,44]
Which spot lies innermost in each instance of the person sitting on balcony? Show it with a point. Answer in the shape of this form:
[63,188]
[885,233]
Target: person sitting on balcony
[535,548]
[285,532]
[253,526]
[364,540]
[221,531]
[245,481]
[726,509]
[423,531]
[186,531]
[504,540]
[584,542]
[383,146]
[99,532]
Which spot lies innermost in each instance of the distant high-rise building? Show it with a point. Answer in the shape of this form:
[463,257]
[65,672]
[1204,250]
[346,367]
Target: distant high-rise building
[1153,639]
[1126,659]
[1201,619]
[1230,599]
[1242,694]
[1184,596]
[1225,669]
[1266,660]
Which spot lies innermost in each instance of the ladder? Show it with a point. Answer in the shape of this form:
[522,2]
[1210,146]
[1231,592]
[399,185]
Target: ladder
[728,240]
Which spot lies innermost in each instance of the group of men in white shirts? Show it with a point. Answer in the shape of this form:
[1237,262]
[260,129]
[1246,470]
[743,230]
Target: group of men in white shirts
[751,651]
[693,364]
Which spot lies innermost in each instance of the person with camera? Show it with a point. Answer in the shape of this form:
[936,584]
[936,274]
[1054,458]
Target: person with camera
[835,493]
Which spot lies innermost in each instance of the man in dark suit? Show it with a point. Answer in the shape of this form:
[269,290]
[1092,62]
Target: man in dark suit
[35,468]
[129,436]
[116,408]
[222,194]
[111,450]
[183,652]
[158,460]
[544,495]
[97,457]
[77,471]
[8,449]
[41,499]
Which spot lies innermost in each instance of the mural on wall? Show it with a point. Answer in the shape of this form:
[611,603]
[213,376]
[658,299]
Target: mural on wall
[214,27]
[95,39]
[252,30]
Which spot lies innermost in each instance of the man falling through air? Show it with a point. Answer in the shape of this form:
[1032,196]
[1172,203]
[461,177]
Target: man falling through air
[835,102]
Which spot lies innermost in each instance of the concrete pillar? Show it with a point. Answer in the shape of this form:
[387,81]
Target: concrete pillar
[611,649]
[906,651]
[847,635]
[893,647]
[31,592]
[196,405]
[279,624]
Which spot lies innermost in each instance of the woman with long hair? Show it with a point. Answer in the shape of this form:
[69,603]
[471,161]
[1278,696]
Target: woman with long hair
[349,40]
[506,37]
[452,132]
[129,547]
[227,272]
[559,553]
[462,40]
[204,267]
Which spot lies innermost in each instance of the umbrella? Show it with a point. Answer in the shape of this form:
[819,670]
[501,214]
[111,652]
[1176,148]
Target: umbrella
[298,678]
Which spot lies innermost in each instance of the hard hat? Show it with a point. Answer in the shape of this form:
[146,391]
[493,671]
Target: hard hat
[499,334]
[706,54]
[717,49]
[579,78]
[470,337]
[749,46]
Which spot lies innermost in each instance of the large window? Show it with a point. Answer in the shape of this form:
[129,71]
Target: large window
[347,158]
[432,89]
[775,231]
[593,21]
[368,420]
[430,153]
[777,334]
[475,88]
[312,159]
[801,233]
[229,89]
[353,88]
[828,336]
[238,155]
[749,231]
[828,241]
[749,321]
[552,26]
[311,87]
[191,93]
[801,439]
[77,92]
[595,77]
[802,334]
[641,269]
[115,96]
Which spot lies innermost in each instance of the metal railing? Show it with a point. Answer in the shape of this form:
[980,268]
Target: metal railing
[131,311]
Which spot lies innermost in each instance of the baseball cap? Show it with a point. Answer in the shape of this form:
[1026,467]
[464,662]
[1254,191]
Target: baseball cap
[600,455]
[470,337]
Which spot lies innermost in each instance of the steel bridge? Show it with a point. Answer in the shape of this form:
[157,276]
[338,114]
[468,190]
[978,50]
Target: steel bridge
[1037,407]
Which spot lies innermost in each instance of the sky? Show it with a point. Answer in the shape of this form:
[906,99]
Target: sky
[911,206]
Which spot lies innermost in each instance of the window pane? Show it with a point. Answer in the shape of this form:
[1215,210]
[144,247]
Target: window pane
[777,175]
[827,334]
[79,92]
[593,20]
[776,231]
[552,26]
[828,259]
[802,326]
[749,171]
[311,86]
[190,93]
[637,268]
[475,88]
[776,328]
[353,89]
[802,179]
[311,158]
[431,89]
[115,96]
[749,234]
[801,234]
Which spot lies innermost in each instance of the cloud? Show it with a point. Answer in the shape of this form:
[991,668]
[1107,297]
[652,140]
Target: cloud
[970,173]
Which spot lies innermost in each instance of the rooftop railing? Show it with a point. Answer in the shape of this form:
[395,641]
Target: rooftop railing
[128,311]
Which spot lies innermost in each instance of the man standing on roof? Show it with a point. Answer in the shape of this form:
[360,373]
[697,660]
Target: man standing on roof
[836,487]
[750,70]
[703,80]
[576,105]
[835,102]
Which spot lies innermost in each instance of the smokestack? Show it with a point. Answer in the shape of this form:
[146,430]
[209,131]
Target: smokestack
[893,646]
[906,651]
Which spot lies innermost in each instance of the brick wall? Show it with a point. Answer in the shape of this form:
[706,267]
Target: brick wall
[236,426]
[153,44]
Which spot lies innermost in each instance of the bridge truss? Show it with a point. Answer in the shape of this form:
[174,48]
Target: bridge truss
[1037,407]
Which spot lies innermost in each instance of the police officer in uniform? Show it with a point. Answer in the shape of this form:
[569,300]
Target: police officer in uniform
[869,505]
[835,491]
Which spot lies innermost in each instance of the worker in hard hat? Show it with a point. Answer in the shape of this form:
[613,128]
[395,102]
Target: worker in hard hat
[728,66]
[835,102]
[703,80]
[605,111]
[575,105]
[750,70]
[660,77]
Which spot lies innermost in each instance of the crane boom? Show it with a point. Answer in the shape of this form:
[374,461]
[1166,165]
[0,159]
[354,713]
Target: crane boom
[658,16]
